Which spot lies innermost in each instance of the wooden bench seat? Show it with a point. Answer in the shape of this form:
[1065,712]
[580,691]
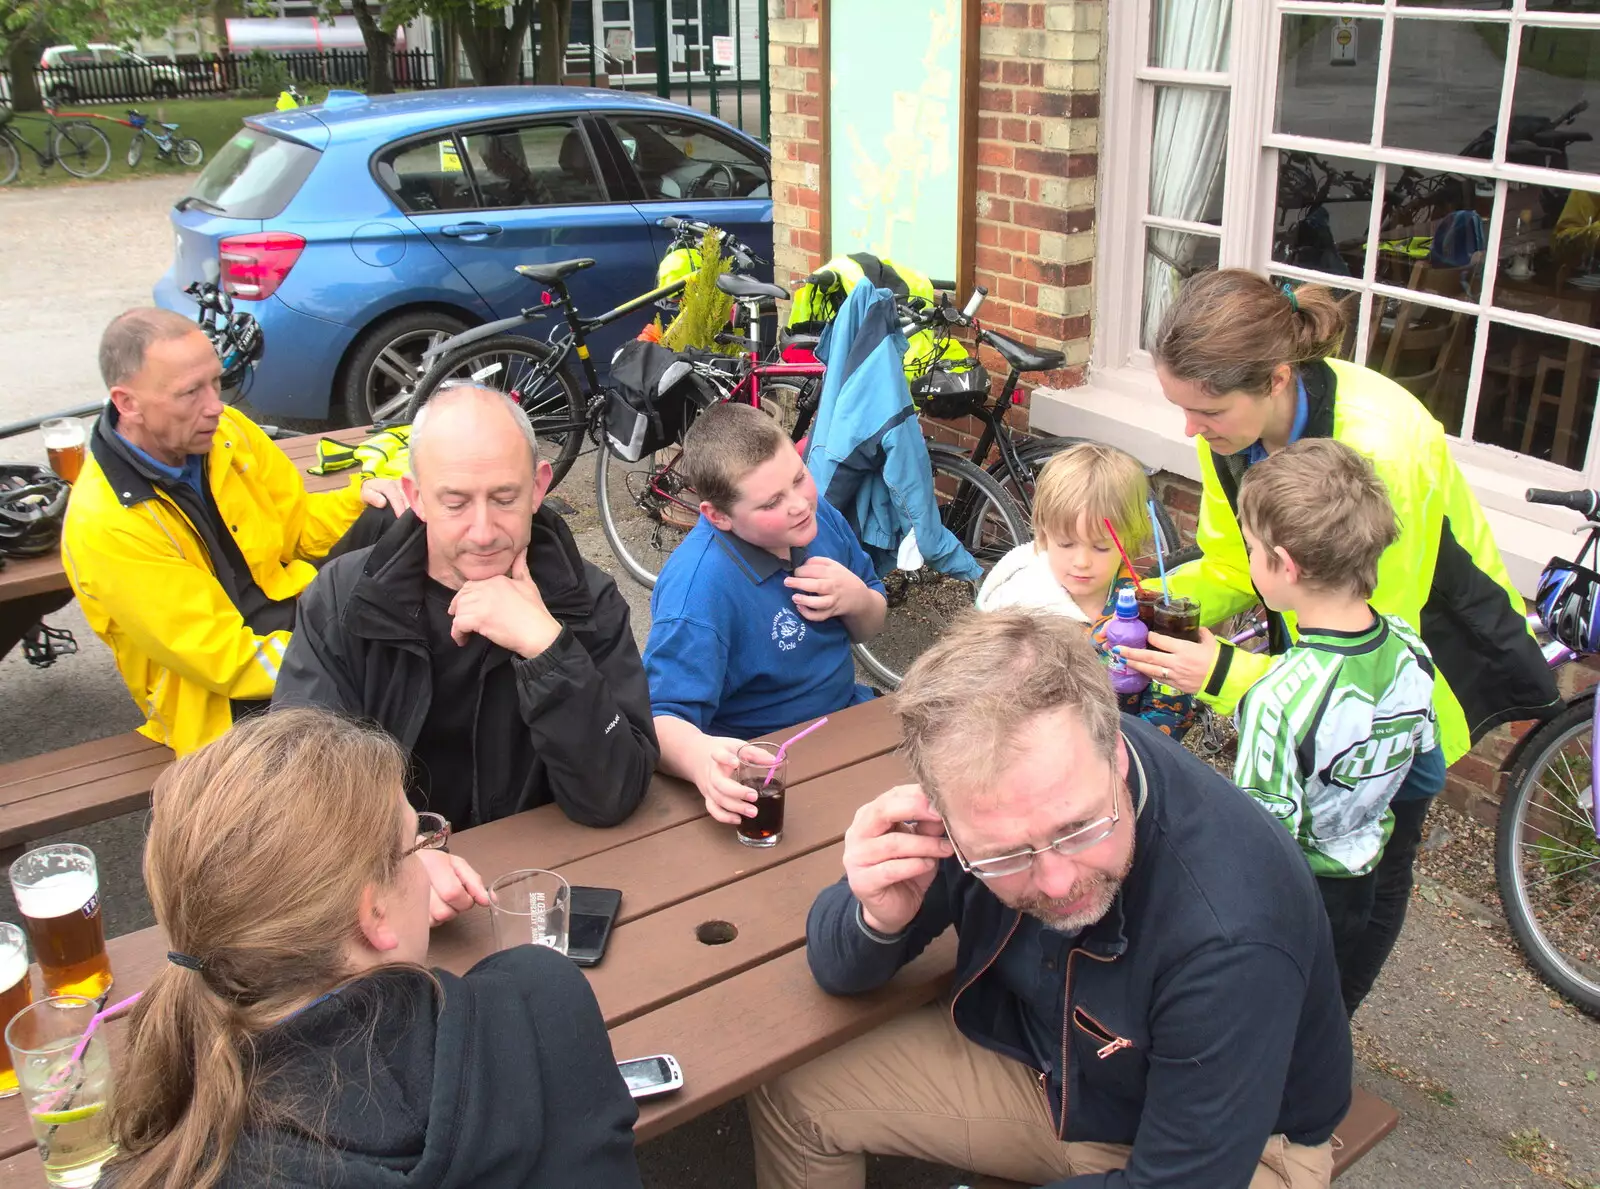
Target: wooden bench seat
[60,790]
[1369,1120]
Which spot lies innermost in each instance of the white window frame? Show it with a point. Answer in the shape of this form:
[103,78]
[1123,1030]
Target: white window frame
[1122,402]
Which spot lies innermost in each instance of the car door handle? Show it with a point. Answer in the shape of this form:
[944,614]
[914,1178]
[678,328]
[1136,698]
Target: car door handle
[470,230]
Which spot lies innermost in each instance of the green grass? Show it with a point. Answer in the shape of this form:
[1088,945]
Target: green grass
[210,121]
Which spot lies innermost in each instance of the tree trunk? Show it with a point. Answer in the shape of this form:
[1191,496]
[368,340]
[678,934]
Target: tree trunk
[380,49]
[555,30]
[450,51]
[494,52]
[221,11]
[22,58]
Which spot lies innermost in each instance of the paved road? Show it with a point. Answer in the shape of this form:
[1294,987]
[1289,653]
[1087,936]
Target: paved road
[1451,1008]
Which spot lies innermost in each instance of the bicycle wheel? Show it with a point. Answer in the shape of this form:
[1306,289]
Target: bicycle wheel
[135,149]
[1035,452]
[10,160]
[923,602]
[524,369]
[82,149]
[1547,858]
[189,152]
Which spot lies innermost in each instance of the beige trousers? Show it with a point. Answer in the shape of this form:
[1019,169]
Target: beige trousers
[917,1087]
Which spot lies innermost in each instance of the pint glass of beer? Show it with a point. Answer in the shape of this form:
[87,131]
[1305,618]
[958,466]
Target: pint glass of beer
[64,445]
[65,1093]
[16,992]
[58,893]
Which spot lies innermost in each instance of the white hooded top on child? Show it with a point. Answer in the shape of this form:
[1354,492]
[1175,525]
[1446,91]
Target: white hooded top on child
[1022,579]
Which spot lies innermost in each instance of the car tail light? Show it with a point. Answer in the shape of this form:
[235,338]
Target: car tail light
[253,266]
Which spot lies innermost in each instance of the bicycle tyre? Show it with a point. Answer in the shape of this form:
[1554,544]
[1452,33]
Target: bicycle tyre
[190,152]
[1575,975]
[517,365]
[1035,452]
[136,149]
[81,149]
[10,161]
[988,522]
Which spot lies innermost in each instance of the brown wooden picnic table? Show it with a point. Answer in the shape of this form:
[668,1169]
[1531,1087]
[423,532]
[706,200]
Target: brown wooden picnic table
[733,1014]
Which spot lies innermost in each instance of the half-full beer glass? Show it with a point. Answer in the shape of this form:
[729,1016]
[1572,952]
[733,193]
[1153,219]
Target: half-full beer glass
[16,992]
[58,893]
[65,445]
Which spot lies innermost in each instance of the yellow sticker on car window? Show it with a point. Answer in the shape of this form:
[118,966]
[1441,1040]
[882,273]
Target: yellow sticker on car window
[688,148]
[449,161]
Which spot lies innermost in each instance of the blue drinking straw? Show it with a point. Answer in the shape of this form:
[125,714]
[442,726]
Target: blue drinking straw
[1161,561]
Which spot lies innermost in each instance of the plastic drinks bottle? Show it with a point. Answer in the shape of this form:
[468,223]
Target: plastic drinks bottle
[1126,629]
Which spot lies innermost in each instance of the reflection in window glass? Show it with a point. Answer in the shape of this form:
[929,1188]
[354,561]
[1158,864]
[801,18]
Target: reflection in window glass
[1433,232]
[1558,73]
[1327,77]
[1188,148]
[1426,350]
[1538,395]
[1324,209]
[1190,34]
[1444,90]
[1564,5]
[1171,257]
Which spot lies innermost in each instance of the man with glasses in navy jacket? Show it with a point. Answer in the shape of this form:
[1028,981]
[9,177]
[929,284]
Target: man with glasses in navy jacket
[1145,991]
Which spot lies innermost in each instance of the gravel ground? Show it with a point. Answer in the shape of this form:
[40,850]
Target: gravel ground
[1486,1067]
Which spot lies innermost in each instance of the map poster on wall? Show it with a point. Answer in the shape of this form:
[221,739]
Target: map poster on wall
[895,121]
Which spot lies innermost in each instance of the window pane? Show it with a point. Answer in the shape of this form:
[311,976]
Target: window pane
[1171,257]
[1476,4]
[1324,210]
[1327,77]
[427,177]
[1538,395]
[1550,267]
[1564,5]
[1187,153]
[540,165]
[678,159]
[1190,34]
[1426,350]
[1434,229]
[1557,70]
[1444,89]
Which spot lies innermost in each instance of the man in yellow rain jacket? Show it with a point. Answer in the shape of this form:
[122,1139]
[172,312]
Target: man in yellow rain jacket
[190,534]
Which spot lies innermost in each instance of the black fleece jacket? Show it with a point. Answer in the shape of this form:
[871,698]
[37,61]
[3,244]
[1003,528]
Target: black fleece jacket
[360,646]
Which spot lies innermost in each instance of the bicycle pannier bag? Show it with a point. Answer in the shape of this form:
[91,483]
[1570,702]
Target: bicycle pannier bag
[654,395]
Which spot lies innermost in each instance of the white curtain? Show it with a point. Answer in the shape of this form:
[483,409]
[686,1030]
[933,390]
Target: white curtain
[1189,143]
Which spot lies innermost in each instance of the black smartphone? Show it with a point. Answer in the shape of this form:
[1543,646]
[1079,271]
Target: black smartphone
[594,911]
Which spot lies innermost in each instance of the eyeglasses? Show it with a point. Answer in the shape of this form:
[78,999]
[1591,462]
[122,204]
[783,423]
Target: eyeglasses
[1074,843]
[433,833]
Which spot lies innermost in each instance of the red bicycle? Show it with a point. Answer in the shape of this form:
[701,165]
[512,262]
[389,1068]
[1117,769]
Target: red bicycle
[645,507]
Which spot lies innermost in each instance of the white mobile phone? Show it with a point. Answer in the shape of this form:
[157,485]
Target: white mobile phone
[649,1076]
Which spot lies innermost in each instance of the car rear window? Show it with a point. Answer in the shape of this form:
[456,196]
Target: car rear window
[254,175]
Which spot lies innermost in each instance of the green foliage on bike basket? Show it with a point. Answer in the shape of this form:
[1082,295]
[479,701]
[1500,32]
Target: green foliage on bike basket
[703,310]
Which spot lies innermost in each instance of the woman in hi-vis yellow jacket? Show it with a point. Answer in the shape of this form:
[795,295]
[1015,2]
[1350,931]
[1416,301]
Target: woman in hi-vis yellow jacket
[1252,368]
[197,613]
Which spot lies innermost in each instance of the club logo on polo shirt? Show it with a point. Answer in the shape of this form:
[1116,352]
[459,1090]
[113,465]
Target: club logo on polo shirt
[788,629]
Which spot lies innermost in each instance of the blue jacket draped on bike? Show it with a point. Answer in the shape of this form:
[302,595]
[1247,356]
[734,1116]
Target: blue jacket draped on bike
[866,451]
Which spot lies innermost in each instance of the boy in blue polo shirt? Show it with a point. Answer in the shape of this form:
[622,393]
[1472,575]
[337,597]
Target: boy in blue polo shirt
[755,611]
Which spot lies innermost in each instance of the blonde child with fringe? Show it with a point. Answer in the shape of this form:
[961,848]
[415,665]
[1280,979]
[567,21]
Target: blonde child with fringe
[1072,566]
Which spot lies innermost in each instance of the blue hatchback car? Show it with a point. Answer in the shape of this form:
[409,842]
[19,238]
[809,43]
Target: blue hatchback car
[364,230]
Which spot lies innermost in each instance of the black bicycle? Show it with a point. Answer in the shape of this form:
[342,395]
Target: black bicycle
[78,147]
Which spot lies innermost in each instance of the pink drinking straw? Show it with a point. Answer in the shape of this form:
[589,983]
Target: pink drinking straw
[783,748]
[1133,573]
[72,1066]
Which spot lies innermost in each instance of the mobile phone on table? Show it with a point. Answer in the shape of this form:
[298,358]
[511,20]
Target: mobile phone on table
[649,1076]
[594,912]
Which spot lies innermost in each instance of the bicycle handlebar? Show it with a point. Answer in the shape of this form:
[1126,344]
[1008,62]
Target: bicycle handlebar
[1585,503]
[742,255]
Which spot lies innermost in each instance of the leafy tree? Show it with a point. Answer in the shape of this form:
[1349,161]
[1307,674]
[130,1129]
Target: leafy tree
[493,45]
[28,26]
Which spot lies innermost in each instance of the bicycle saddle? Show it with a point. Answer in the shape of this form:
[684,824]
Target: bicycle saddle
[549,274]
[1024,358]
[746,287]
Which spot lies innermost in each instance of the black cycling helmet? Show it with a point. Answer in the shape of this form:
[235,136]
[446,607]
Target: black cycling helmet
[33,504]
[1568,592]
[951,388]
